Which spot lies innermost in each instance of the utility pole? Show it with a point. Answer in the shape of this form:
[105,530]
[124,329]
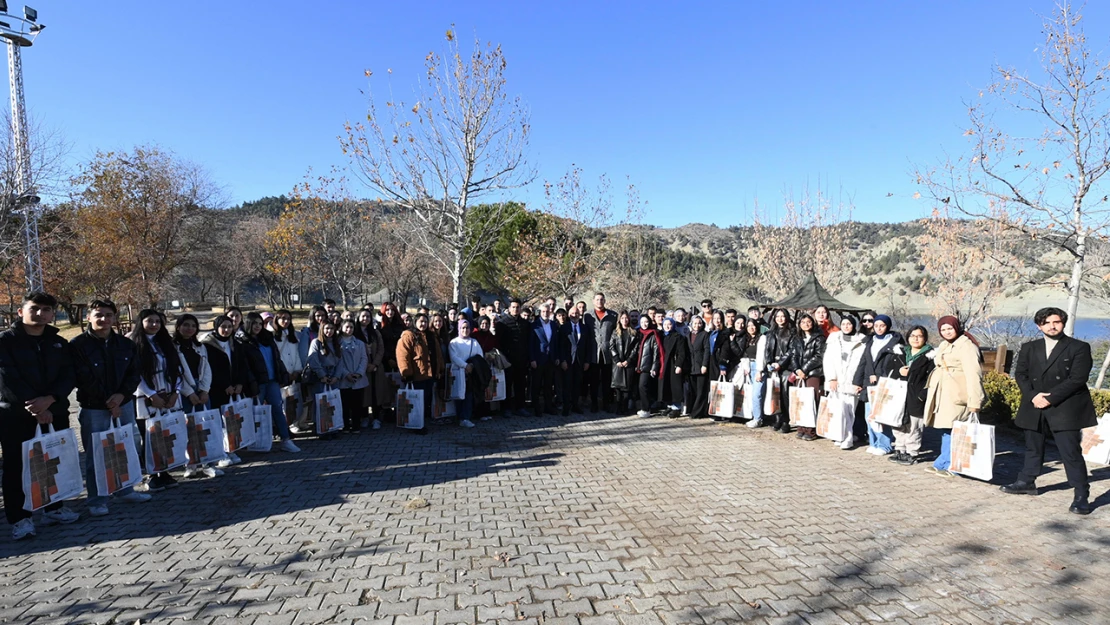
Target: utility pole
[23,196]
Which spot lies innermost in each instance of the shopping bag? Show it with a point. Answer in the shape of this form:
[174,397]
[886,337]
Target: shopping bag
[456,382]
[772,394]
[51,468]
[442,408]
[238,421]
[115,458]
[409,407]
[742,401]
[888,405]
[803,406]
[835,414]
[329,411]
[263,428]
[167,436]
[722,398]
[394,382]
[973,449]
[206,437]
[496,389]
[1096,441]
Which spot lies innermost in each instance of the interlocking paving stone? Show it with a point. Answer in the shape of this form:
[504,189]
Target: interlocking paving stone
[598,520]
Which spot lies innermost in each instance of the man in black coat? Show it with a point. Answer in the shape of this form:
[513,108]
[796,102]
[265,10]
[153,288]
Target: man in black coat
[515,334]
[1052,373]
[36,377]
[600,323]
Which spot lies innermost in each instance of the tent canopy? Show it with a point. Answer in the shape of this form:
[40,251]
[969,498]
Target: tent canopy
[811,295]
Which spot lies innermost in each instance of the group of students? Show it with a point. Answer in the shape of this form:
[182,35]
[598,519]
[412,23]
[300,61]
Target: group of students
[555,360]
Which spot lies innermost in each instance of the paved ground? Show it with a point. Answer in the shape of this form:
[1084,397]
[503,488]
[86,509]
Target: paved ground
[544,521]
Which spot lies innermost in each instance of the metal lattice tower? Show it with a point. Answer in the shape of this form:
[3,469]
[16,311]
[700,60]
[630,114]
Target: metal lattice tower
[23,195]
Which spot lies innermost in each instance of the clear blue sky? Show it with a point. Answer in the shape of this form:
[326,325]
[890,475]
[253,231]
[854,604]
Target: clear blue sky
[705,107]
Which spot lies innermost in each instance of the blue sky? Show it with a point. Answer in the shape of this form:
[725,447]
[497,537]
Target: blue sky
[704,106]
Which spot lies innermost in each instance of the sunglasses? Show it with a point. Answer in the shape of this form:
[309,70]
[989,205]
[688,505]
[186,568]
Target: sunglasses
[869,321]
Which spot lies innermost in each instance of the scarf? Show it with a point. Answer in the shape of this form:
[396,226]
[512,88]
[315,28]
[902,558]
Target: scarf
[644,334]
[912,355]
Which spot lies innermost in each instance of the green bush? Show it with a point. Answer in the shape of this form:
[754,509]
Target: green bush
[1102,402]
[1003,397]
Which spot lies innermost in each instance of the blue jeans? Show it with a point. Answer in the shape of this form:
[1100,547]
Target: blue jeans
[757,395]
[944,460]
[879,440]
[465,406]
[270,393]
[101,421]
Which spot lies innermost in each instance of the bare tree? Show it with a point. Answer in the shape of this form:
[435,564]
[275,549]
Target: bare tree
[811,236]
[1042,186]
[463,139]
[631,274]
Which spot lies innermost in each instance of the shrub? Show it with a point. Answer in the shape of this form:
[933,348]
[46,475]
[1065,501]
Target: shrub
[1102,402]
[1003,398]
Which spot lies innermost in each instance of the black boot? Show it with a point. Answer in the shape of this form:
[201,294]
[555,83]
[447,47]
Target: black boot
[1019,488]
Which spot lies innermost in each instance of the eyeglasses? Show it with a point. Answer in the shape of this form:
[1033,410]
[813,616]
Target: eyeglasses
[869,321]
[706,305]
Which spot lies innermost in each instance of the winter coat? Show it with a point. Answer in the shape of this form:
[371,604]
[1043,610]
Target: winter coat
[808,355]
[33,367]
[601,332]
[200,380]
[917,382]
[841,361]
[377,385]
[542,349]
[955,385]
[514,335]
[322,365]
[676,349]
[252,351]
[882,365]
[779,350]
[352,360]
[414,357]
[648,352]
[699,352]
[1063,375]
[391,336]
[623,348]
[291,353]
[721,355]
[226,371]
[305,336]
[103,367]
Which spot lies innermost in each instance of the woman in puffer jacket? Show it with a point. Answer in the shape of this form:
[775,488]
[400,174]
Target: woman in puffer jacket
[647,364]
[843,352]
[808,364]
[779,352]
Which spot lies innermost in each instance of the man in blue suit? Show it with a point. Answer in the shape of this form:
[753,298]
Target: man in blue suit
[541,353]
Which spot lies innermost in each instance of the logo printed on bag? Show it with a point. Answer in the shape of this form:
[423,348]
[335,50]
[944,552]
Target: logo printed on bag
[115,461]
[404,409]
[43,470]
[963,449]
[198,439]
[161,445]
[1091,439]
[327,415]
[233,428]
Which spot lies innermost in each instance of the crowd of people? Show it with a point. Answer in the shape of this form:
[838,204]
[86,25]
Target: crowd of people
[556,360]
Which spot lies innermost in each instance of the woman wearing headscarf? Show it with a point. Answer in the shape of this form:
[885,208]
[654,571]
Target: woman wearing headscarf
[918,367]
[779,352]
[698,404]
[753,354]
[808,364]
[955,387]
[648,359]
[843,353]
[675,367]
[376,396]
[624,348]
[161,374]
[269,373]
[351,372]
[461,349]
[882,358]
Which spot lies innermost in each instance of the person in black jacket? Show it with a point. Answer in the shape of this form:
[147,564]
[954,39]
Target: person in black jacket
[1052,373]
[697,402]
[600,323]
[268,372]
[623,348]
[779,351]
[107,374]
[230,371]
[36,377]
[675,367]
[882,357]
[577,345]
[514,333]
[919,364]
[647,364]
[807,362]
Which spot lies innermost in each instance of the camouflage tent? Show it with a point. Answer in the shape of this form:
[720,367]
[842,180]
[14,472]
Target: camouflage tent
[810,295]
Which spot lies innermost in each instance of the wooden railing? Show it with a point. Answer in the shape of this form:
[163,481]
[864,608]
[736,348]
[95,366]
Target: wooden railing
[999,360]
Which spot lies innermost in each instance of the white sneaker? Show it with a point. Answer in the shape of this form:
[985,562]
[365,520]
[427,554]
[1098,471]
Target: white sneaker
[754,423]
[25,528]
[98,510]
[466,423]
[486,418]
[376,425]
[65,516]
[134,497]
[192,472]
[848,443]
[295,430]
[224,463]
[235,459]
[288,445]
[643,413]
[212,471]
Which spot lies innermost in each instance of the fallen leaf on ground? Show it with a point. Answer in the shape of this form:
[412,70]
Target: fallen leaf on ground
[416,503]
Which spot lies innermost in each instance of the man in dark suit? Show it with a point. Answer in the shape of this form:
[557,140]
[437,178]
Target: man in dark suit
[1052,373]
[576,348]
[542,356]
[600,324]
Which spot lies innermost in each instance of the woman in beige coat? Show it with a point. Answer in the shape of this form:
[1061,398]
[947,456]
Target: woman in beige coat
[955,387]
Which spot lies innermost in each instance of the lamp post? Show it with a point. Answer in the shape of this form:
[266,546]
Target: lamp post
[20,32]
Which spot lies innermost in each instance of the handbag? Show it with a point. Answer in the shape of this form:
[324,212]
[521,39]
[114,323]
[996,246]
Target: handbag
[115,458]
[973,449]
[308,375]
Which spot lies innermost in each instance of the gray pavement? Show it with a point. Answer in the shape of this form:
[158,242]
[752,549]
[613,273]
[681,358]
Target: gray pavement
[591,521]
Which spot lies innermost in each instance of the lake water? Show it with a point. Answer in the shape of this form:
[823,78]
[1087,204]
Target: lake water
[1085,329]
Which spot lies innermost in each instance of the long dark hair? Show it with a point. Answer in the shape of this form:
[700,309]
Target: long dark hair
[786,330]
[291,333]
[180,340]
[265,337]
[333,348]
[312,325]
[813,327]
[148,358]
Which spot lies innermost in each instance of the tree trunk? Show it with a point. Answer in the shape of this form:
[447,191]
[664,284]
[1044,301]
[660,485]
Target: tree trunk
[456,278]
[1076,282]
[1102,371]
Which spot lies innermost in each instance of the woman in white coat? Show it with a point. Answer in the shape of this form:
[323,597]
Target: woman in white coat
[843,352]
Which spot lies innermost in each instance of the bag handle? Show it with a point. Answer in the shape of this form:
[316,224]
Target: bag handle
[38,430]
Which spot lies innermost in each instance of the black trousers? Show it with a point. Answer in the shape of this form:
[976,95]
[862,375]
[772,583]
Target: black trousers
[572,387]
[698,406]
[1067,442]
[647,391]
[16,427]
[353,410]
[516,379]
[600,380]
[543,386]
